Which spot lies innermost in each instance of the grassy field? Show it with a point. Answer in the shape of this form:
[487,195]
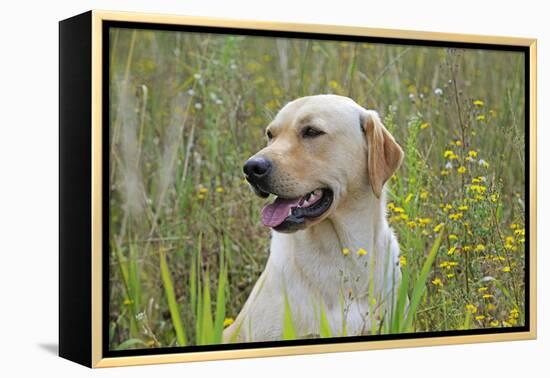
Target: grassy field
[186,241]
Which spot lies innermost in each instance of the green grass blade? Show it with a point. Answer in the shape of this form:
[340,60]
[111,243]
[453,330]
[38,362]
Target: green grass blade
[399,311]
[220,306]
[171,298]
[193,285]
[467,320]
[289,332]
[420,284]
[324,326]
[207,330]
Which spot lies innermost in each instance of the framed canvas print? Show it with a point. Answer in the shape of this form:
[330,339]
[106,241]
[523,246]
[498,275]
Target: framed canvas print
[235,189]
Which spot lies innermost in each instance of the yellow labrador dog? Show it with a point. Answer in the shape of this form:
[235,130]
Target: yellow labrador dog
[333,254]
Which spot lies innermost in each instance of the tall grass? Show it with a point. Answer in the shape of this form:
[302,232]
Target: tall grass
[186,244]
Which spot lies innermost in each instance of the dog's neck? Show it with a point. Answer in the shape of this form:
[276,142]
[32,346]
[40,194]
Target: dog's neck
[359,221]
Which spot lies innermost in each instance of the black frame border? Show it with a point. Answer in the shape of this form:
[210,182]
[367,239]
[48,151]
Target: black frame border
[106,25]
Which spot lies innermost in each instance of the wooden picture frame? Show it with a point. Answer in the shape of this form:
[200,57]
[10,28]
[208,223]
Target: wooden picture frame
[86,98]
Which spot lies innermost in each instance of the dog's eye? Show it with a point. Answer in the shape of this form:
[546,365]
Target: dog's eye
[269,135]
[311,132]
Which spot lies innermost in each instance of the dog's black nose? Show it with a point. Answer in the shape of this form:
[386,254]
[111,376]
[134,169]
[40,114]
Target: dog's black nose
[256,168]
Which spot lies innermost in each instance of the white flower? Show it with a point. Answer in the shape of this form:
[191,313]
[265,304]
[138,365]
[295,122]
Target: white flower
[191,92]
[198,105]
[411,96]
[449,165]
[233,66]
[481,162]
[197,76]
[218,101]
[438,91]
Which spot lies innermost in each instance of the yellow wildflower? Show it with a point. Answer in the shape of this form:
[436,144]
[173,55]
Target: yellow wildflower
[478,103]
[480,317]
[220,189]
[480,248]
[448,264]
[456,216]
[361,252]
[506,269]
[203,190]
[448,154]
[437,282]
[472,153]
[463,208]
[478,188]
[424,221]
[425,125]
[453,237]
[411,224]
[487,296]
[403,260]
[227,322]
[398,210]
[345,251]
[471,308]
[458,143]
[450,275]
[480,117]
[494,323]
[128,301]
[519,231]
[423,195]
[438,227]
[201,196]
[482,289]
[461,169]
[451,251]
[391,206]
[409,198]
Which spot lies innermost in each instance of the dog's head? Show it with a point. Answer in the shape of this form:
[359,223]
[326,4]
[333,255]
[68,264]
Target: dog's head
[321,151]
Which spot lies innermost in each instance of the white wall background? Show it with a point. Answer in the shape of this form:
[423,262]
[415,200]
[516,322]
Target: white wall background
[29,190]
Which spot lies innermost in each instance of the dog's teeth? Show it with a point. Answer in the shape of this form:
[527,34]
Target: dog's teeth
[289,212]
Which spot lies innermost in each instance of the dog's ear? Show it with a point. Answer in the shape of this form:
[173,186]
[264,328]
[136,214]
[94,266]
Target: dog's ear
[384,154]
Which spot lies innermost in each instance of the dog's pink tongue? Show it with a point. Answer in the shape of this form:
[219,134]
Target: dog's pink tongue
[275,213]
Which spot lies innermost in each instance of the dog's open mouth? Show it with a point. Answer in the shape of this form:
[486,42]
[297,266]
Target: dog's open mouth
[288,215]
